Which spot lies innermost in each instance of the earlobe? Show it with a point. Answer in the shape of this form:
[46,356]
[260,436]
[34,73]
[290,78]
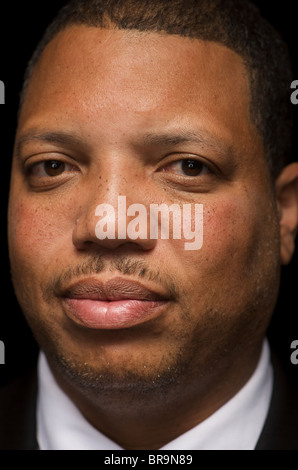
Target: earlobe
[287,200]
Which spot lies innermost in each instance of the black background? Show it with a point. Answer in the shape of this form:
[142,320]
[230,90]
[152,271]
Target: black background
[22,25]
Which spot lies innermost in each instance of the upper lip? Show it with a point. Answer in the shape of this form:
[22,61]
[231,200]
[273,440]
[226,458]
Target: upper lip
[112,289]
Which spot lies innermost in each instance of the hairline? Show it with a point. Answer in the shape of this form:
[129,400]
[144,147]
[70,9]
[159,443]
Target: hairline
[108,24]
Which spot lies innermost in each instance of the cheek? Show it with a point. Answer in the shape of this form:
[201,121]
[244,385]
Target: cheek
[226,230]
[230,235]
[34,234]
[239,238]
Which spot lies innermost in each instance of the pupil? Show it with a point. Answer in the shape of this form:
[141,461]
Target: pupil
[54,168]
[191,167]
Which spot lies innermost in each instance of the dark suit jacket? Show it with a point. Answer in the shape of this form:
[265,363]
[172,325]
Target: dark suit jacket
[18,404]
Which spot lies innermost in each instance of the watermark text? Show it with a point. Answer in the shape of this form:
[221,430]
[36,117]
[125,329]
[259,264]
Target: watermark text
[2,92]
[165,221]
[294,355]
[2,353]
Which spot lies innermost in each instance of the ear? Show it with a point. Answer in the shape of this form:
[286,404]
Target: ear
[287,199]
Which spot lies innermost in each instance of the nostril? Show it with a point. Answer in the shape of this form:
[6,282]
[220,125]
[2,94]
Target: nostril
[111,227]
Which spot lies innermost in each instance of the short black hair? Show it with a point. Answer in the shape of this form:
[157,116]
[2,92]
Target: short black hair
[236,24]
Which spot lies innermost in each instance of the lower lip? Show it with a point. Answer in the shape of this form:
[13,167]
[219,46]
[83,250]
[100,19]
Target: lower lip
[118,314]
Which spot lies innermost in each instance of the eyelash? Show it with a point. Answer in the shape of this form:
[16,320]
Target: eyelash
[197,167]
[33,168]
[175,172]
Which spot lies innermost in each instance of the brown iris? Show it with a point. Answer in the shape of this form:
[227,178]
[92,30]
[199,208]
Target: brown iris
[54,167]
[191,167]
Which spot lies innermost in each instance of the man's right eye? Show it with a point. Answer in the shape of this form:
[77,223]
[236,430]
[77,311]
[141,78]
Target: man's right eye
[46,174]
[49,168]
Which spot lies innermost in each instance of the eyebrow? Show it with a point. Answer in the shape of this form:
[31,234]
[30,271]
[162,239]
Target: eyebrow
[185,136]
[55,137]
[168,139]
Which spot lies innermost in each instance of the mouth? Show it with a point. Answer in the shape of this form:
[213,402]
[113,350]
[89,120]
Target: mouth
[114,304]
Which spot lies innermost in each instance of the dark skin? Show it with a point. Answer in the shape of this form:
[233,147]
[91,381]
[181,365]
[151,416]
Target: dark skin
[124,110]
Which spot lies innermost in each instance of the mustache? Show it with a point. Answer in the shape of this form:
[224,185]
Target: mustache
[123,265]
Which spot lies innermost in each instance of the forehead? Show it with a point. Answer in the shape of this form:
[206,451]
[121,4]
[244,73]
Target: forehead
[89,74]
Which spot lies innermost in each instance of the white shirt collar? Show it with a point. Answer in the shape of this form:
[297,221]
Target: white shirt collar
[235,426]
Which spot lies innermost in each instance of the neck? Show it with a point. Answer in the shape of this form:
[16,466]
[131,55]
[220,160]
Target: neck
[138,418]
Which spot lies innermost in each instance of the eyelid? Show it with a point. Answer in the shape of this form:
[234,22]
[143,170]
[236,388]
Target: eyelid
[34,161]
[33,167]
[182,157]
[203,171]
[40,181]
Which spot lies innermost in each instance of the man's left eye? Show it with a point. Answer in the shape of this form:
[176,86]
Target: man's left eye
[187,167]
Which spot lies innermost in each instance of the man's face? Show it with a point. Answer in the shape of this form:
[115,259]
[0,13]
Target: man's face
[157,119]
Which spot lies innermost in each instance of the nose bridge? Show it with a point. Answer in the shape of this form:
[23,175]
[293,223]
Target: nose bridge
[116,177]
[112,195]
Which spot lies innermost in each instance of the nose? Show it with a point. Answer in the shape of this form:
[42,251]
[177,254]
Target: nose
[111,218]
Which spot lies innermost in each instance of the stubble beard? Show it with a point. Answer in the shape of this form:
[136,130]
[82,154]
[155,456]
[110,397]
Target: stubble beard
[107,380]
[193,360]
